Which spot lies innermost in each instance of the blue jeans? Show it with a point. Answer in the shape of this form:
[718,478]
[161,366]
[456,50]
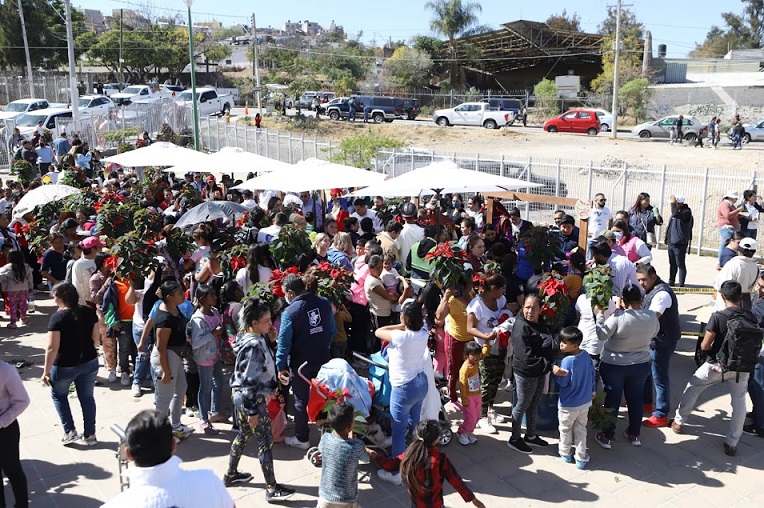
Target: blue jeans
[84,377]
[142,360]
[756,391]
[659,378]
[751,233]
[628,381]
[210,383]
[677,252]
[724,235]
[405,408]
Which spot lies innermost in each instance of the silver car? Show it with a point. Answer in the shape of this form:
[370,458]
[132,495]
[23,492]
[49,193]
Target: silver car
[691,127]
[754,131]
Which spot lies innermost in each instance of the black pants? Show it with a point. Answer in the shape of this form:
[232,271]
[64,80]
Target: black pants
[10,465]
[677,268]
[192,389]
[359,328]
[44,167]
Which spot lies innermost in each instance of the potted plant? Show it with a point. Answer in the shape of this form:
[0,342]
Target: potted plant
[23,171]
[448,266]
[554,301]
[541,245]
[290,243]
[333,282]
[133,257]
[598,283]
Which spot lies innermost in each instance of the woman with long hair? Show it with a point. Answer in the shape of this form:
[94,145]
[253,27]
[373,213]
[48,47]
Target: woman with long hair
[430,297]
[643,218]
[475,253]
[71,357]
[453,305]
[321,246]
[16,280]
[635,249]
[260,265]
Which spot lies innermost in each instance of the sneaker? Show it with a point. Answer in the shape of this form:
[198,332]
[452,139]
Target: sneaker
[278,494]
[730,450]
[655,422]
[508,388]
[495,417]
[219,418]
[519,445]
[112,376]
[125,379]
[453,407]
[182,431]
[90,440]
[463,438]
[472,438]
[486,426]
[208,429]
[70,438]
[753,430]
[581,464]
[394,478]
[136,391]
[232,477]
[193,412]
[567,458]
[296,443]
[604,441]
[678,428]
[536,441]
[634,440]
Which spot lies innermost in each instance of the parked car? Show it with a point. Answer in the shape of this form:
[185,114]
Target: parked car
[27,122]
[754,131]
[209,101]
[95,104]
[473,113]
[110,89]
[139,92]
[506,104]
[582,121]
[16,108]
[606,119]
[306,99]
[662,128]
[407,108]
[377,108]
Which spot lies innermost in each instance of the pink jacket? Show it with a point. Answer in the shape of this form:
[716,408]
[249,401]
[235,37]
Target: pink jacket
[357,291]
[727,215]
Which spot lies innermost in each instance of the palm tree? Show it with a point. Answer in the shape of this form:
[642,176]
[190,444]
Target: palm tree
[453,18]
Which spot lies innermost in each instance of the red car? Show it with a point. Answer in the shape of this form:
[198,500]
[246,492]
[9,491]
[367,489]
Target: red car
[583,121]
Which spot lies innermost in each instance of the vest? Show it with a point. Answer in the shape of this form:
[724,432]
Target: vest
[669,332]
[420,268]
[312,327]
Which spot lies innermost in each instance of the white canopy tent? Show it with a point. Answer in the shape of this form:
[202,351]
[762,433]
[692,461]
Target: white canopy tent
[231,159]
[159,153]
[311,175]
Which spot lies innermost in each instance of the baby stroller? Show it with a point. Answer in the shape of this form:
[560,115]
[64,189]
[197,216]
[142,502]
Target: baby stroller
[122,461]
[380,378]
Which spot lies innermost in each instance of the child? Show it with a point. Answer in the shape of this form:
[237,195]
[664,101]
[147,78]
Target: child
[672,135]
[469,388]
[576,381]
[16,280]
[339,460]
[339,346]
[424,468]
[390,277]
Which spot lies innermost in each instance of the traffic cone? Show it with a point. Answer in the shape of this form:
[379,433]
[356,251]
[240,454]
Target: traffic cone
[246,108]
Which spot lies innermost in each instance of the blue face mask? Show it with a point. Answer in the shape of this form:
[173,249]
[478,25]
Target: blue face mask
[455,204]
[618,235]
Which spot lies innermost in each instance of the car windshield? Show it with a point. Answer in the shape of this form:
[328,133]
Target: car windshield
[186,96]
[83,103]
[15,107]
[132,90]
[28,120]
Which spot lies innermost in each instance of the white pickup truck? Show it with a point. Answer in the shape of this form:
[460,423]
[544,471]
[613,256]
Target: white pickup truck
[139,92]
[473,113]
[16,108]
[208,100]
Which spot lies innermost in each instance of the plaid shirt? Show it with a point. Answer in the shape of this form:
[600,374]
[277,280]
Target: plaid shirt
[440,469]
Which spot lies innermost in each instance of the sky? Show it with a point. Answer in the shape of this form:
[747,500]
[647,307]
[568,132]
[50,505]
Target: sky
[678,24]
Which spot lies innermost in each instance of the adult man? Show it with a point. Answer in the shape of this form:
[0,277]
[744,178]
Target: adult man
[307,328]
[742,269]
[711,372]
[84,267]
[310,203]
[361,211]
[558,216]
[519,225]
[415,263]
[410,234]
[28,152]
[623,271]
[379,204]
[660,299]
[756,381]
[62,146]
[272,231]
[248,199]
[600,220]
[156,478]
[474,210]
[678,236]
[388,239]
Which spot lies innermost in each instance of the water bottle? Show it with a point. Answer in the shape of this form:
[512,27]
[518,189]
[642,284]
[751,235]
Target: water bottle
[30,303]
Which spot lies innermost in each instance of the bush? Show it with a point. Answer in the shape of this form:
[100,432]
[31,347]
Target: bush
[23,171]
[546,98]
[359,151]
[634,97]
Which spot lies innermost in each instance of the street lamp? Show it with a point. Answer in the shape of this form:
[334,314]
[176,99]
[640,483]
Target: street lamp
[189,3]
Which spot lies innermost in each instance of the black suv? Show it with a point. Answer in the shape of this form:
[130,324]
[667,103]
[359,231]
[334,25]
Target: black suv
[506,104]
[407,108]
[376,108]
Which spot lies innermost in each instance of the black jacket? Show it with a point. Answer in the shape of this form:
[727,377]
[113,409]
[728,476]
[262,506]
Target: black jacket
[534,348]
[679,230]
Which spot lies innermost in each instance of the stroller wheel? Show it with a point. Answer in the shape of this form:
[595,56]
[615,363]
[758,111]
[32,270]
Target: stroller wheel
[445,437]
[314,456]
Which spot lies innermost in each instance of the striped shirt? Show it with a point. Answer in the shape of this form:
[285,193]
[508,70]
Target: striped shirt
[339,468]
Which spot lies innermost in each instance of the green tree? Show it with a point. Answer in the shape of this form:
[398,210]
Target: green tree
[630,60]
[359,151]
[634,97]
[564,22]
[46,33]
[741,31]
[546,98]
[408,67]
[435,49]
[453,19]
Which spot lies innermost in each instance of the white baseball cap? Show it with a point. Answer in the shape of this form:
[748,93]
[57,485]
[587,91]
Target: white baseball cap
[748,244]
[679,198]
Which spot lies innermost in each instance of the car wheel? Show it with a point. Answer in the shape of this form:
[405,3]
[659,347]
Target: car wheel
[604,127]
[645,134]
[747,138]
[690,137]
[442,121]
[490,124]
[378,118]
[551,128]
[591,132]
[334,114]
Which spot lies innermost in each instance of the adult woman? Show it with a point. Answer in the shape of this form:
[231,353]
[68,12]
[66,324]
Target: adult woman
[468,231]
[728,218]
[210,268]
[274,205]
[166,361]
[483,314]
[341,251]
[635,249]
[321,246]
[202,237]
[14,400]
[643,218]
[625,360]
[331,228]
[407,343]
[453,311]
[359,302]
[731,247]
[380,301]
[475,251]
[750,225]
[533,349]
[254,382]
[71,357]
[53,263]
[259,267]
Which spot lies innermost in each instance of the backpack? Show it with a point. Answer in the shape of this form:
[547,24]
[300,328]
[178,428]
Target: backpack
[741,346]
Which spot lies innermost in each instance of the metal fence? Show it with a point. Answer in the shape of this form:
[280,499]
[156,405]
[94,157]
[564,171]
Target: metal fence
[52,87]
[619,181]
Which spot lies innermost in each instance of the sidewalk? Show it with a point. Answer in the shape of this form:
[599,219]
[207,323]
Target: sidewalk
[669,470]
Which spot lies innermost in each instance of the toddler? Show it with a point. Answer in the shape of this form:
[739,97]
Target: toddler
[339,460]
[469,389]
[390,277]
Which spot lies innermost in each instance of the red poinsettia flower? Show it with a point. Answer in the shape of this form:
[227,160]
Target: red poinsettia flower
[238,262]
[111,263]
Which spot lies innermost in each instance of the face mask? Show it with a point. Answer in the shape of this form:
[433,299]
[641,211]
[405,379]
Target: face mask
[455,204]
[287,298]
[618,235]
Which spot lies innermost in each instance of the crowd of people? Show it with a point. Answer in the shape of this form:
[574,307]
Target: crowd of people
[191,330]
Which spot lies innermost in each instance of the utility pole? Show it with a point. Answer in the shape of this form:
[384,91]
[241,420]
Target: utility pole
[75,93]
[121,77]
[30,77]
[614,132]
[256,66]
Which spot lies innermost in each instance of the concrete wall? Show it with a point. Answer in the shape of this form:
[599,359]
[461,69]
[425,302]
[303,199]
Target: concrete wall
[706,102]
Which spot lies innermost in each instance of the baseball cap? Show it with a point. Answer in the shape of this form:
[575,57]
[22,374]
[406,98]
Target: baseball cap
[609,235]
[90,242]
[748,244]
[731,194]
[680,198]
[336,192]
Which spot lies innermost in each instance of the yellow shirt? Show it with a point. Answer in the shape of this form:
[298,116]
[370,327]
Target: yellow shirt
[456,323]
[469,381]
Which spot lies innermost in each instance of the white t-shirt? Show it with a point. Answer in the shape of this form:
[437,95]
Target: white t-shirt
[588,324]
[404,355]
[249,204]
[138,312]
[81,271]
[660,302]
[487,319]
[376,221]
[242,277]
[598,221]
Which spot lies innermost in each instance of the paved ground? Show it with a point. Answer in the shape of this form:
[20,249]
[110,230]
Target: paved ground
[668,470]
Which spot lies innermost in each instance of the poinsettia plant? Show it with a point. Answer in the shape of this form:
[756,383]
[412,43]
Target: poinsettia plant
[148,224]
[115,220]
[23,171]
[554,301]
[290,243]
[598,283]
[277,276]
[232,260]
[448,265]
[541,245]
[75,176]
[333,282]
[134,255]
[192,196]
[263,292]
[600,416]
[37,231]
[84,200]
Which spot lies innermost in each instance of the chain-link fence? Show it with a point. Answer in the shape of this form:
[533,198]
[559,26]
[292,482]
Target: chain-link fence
[619,181]
[52,87]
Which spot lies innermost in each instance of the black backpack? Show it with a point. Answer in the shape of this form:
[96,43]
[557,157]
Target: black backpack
[741,346]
